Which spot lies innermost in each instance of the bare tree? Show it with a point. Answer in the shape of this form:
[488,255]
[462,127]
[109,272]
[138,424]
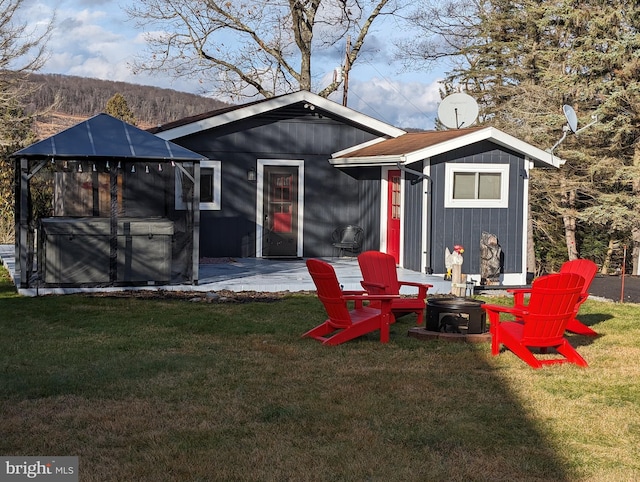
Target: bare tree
[261,48]
[22,51]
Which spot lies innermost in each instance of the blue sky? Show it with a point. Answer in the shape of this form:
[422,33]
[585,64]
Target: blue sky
[94,38]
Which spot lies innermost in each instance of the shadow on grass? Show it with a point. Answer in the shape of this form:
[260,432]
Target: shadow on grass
[142,381]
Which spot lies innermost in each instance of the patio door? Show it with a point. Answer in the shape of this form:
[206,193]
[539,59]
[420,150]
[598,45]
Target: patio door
[393,214]
[280,212]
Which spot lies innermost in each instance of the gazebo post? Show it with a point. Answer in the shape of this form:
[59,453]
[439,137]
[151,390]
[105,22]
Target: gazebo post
[22,222]
[195,253]
[113,226]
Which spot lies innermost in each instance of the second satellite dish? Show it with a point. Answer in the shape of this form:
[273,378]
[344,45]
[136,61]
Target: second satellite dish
[458,110]
[572,118]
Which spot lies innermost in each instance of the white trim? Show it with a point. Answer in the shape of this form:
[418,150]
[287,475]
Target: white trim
[217,177]
[384,210]
[426,214]
[453,168]
[402,217]
[274,103]
[525,217]
[384,206]
[261,163]
[538,156]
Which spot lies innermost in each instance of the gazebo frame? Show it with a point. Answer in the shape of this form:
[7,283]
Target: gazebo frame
[103,142]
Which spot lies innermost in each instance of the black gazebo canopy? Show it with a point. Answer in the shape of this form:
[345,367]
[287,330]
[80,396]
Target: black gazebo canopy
[109,181]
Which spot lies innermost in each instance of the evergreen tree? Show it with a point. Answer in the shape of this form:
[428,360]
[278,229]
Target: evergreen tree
[522,60]
[118,107]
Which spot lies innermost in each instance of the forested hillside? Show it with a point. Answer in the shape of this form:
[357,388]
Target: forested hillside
[81,97]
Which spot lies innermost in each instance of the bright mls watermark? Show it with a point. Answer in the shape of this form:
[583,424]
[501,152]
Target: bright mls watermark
[50,469]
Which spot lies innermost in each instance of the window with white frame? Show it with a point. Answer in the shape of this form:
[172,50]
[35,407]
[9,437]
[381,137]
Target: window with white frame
[209,186]
[477,186]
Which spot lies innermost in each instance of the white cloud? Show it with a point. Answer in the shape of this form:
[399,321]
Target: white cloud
[93,38]
[401,103]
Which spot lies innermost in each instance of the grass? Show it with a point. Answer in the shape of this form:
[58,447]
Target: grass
[159,390]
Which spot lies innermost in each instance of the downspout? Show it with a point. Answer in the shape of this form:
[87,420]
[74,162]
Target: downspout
[419,174]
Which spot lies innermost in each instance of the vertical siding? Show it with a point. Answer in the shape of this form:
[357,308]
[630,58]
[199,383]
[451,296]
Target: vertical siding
[465,225]
[332,197]
[413,220]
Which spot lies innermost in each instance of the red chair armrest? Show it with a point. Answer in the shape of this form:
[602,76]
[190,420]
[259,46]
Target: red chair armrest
[422,287]
[357,294]
[354,293]
[374,288]
[494,312]
[518,295]
[385,300]
[366,296]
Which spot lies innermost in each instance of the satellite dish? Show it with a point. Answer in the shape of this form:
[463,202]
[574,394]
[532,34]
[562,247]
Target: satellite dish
[458,110]
[572,118]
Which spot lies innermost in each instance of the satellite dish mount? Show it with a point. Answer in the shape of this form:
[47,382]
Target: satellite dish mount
[571,125]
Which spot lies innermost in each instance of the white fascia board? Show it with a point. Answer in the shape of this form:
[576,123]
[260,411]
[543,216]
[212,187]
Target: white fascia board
[358,147]
[536,155]
[367,161]
[277,103]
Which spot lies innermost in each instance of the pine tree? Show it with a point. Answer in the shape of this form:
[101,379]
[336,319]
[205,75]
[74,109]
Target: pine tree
[118,107]
[523,61]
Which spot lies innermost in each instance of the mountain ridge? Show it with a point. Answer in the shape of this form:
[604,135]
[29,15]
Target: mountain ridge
[75,99]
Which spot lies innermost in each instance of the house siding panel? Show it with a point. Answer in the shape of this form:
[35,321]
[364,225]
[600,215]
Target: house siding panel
[465,225]
[332,197]
[414,219]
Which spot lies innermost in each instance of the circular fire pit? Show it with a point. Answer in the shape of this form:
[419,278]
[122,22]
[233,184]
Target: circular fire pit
[456,319]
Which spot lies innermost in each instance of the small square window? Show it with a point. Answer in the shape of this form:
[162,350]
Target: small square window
[477,185]
[210,177]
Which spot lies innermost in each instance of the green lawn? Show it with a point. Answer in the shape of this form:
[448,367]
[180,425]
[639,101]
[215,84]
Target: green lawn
[155,390]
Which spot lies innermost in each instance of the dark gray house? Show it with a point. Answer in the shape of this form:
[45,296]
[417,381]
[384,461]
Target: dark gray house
[283,173]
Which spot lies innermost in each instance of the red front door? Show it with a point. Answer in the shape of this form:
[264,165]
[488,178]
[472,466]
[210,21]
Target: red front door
[393,215]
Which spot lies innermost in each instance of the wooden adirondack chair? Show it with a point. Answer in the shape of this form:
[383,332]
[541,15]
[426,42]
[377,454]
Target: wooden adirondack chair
[380,277]
[585,268]
[344,324]
[541,323]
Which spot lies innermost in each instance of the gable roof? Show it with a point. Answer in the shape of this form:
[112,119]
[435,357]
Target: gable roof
[220,117]
[104,136]
[416,146]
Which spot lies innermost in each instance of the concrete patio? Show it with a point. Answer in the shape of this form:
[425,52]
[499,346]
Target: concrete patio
[246,274]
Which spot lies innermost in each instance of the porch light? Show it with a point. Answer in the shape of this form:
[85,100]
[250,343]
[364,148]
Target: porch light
[251,175]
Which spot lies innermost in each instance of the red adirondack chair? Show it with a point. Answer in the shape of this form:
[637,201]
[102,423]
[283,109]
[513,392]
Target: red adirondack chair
[541,323]
[380,277]
[344,324]
[585,268]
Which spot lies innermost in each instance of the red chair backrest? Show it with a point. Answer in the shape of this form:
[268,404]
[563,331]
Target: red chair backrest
[551,306]
[585,268]
[380,267]
[329,292]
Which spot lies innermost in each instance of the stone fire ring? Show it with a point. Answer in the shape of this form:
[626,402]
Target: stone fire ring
[424,334]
